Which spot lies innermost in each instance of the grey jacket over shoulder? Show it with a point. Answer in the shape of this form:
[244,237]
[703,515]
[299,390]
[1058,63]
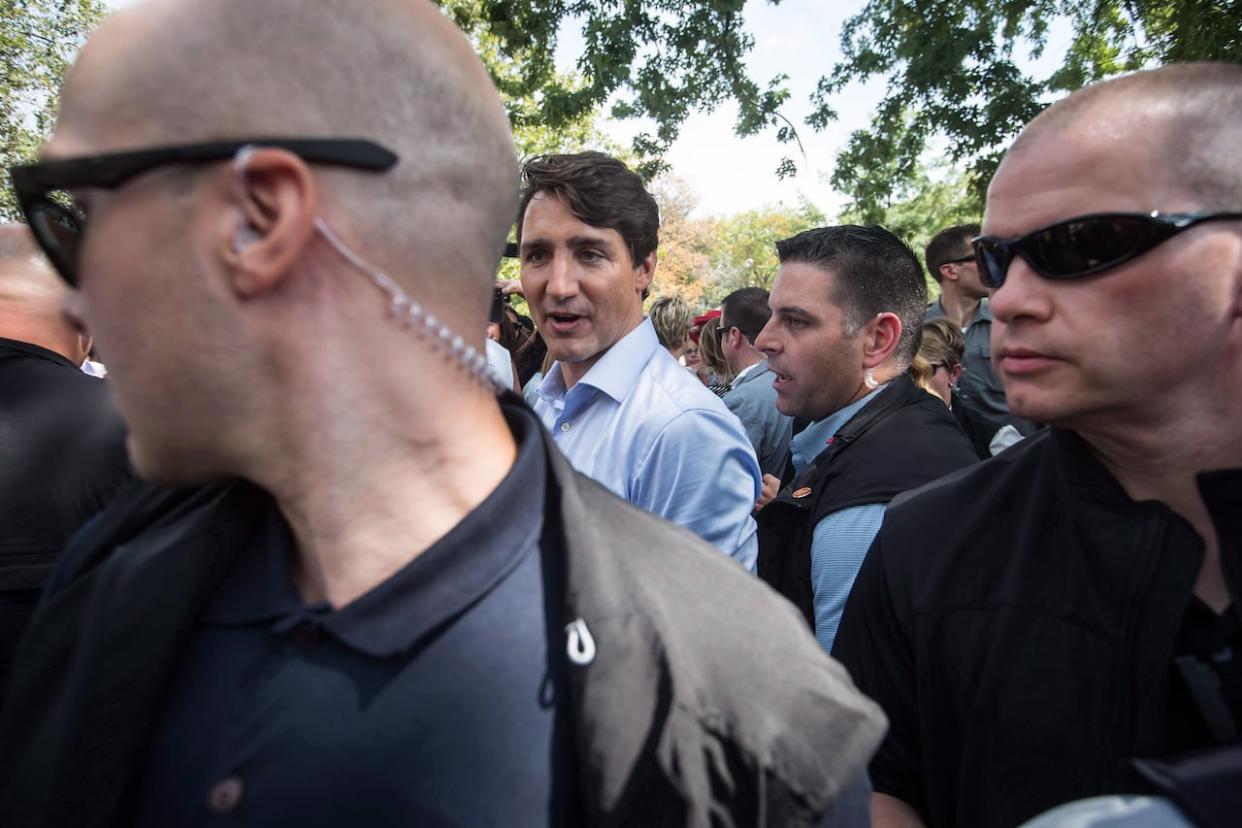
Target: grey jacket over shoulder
[697,695]
[753,400]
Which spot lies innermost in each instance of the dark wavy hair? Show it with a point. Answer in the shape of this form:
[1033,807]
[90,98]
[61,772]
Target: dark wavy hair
[600,191]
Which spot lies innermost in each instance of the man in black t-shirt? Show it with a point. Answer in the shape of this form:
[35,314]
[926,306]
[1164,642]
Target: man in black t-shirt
[62,444]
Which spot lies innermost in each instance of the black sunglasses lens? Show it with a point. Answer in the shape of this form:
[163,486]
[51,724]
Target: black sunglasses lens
[1074,248]
[58,226]
[990,262]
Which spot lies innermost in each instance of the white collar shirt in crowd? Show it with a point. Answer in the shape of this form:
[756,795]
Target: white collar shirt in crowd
[647,429]
[738,377]
[499,362]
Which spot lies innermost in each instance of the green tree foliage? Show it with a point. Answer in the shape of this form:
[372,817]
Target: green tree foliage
[743,253]
[683,259]
[661,58]
[38,38]
[953,71]
[932,198]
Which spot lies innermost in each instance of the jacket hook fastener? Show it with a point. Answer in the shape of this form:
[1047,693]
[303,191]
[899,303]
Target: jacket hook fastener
[580,644]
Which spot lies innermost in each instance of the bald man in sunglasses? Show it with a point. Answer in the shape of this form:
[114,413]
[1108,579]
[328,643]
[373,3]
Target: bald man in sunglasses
[1079,609]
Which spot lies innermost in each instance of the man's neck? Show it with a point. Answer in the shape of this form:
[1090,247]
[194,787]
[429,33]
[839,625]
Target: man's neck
[364,496]
[743,359]
[1160,460]
[958,307]
[573,372]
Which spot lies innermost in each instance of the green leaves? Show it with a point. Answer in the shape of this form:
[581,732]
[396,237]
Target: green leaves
[38,38]
[952,73]
[661,58]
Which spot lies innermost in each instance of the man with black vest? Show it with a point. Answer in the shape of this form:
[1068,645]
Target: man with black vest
[846,312]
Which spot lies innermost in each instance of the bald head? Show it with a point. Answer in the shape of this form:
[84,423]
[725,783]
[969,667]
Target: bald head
[31,295]
[393,71]
[1184,118]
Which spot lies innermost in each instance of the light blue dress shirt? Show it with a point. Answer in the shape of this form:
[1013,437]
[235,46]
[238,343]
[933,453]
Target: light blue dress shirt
[841,539]
[644,427]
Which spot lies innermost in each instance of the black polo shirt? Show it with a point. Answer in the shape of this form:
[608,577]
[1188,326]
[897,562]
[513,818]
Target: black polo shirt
[62,459]
[434,699]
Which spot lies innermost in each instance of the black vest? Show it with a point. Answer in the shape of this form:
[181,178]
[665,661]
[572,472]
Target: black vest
[903,438]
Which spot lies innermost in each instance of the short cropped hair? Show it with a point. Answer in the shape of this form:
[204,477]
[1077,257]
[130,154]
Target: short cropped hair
[875,272]
[1192,113]
[672,319]
[949,244]
[600,191]
[748,310]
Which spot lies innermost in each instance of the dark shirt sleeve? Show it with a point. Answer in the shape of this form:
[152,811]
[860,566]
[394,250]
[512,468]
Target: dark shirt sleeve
[875,644]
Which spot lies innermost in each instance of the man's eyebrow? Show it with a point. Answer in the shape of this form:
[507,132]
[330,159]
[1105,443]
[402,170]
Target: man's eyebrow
[573,242]
[793,310]
[589,241]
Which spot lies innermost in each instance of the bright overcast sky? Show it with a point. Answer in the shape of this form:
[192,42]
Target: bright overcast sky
[799,38]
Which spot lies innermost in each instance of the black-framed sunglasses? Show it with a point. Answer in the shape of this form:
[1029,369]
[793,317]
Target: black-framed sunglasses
[44,189]
[1084,245]
[962,259]
[722,330]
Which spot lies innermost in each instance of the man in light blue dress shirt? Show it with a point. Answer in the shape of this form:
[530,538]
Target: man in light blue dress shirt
[743,313]
[618,405]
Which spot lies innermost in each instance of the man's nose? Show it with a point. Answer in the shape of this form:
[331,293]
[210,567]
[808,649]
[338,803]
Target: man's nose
[1024,295]
[767,341]
[562,278]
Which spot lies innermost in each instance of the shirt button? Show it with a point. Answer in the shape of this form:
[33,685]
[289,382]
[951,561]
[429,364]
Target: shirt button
[225,795]
[564,426]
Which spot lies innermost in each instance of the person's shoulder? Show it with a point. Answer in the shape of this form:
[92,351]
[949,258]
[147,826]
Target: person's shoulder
[141,511]
[923,431]
[989,481]
[666,392]
[755,391]
[705,611]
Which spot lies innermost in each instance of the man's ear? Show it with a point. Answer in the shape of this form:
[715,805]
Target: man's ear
[644,272]
[275,202]
[948,272]
[880,338]
[85,343]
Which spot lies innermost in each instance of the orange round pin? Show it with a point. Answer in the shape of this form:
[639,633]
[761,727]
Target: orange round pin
[803,492]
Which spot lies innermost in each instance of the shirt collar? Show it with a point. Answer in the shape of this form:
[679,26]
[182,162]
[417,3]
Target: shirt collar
[30,349]
[615,373]
[982,314]
[441,583]
[737,380]
[807,444]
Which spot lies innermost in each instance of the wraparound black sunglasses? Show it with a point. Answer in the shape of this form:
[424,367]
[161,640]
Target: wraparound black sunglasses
[1084,245]
[44,190]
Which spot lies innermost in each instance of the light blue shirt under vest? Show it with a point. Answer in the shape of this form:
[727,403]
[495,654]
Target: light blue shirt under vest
[841,540]
[644,427]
